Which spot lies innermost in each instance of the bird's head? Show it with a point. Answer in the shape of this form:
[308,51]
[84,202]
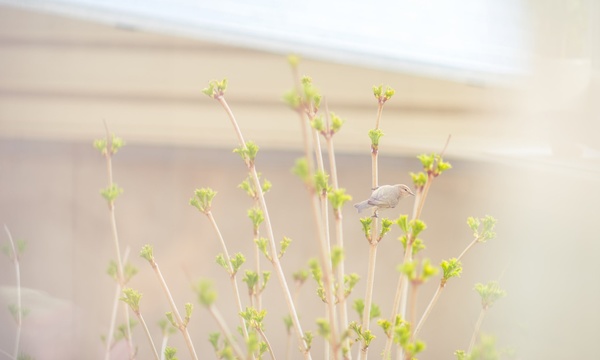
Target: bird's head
[404,190]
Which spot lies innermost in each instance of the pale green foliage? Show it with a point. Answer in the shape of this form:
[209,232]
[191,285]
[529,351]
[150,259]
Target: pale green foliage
[14,311]
[451,268]
[166,328]
[337,256]
[206,294]
[323,328]
[20,246]
[254,317]
[386,226]
[336,122]
[490,293]
[411,270]
[383,95]
[215,88]
[261,243]
[366,226]
[322,182]
[247,152]
[285,243]
[111,193]
[248,186]
[338,198]
[132,298]
[359,307]
[486,349]
[350,280]
[433,164]
[419,179]
[170,353]
[301,170]
[147,252]
[189,308]
[375,135]
[365,336]
[115,144]
[483,228]
[402,335]
[202,199]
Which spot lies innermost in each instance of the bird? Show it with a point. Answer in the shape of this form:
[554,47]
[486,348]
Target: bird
[384,197]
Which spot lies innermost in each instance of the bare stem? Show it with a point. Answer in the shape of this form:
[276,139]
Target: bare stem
[180,324]
[234,284]
[147,331]
[264,336]
[7,355]
[163,346]
[400,299]
[414,290]
[19,312]
[219,319]
[327,274]
[430,306]
[113,316]
[467,248]
[476,329]
[270,236]
[115,233]
[322,224]
[438,292]
[368,295]
[374,238]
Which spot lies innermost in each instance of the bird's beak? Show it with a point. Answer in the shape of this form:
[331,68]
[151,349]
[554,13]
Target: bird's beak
[410,192]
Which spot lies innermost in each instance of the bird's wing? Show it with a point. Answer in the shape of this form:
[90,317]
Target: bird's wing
[380,197]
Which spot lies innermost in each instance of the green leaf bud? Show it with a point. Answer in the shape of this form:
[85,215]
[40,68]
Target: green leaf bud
[206,294]
[318,124]
[375,135]
[337,256]
[366,225]
[237,261]
[323,328]
[301,169]
[202,199]
[451,268]
[336,122]
[419,179]
[490,293]
[285,243]
[111,193]
[147,252]
[338,198]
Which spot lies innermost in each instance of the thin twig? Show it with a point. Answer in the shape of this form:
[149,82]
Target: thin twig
[374,241]
[219,319]
[438,292]
[7,355]
[180,323]
[430,306]
[147,331]
[234,285]
[339,233]
[264,336]
[400,299]
[19,310]
[115,234]
[476,329]
[270,236]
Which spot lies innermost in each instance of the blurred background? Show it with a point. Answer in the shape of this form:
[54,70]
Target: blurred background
[516,84]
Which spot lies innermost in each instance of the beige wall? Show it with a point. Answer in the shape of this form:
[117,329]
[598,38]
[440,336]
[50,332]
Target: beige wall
[59,78]
[544,255]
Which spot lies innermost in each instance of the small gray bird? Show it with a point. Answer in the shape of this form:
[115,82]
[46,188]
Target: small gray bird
[385,197]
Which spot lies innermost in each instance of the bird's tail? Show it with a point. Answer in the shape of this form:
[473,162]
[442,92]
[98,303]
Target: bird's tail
[362,205]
